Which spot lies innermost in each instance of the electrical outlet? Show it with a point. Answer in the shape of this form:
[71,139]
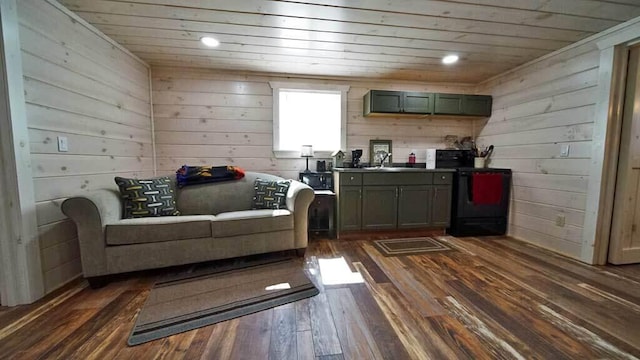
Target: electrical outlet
[564,150]
[63,144]
[560,220]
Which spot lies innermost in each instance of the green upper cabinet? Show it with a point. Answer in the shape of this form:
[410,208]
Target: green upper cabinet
[476,105]
[382,102]
[417,103]
[459,104]
[397,102]
[448,104]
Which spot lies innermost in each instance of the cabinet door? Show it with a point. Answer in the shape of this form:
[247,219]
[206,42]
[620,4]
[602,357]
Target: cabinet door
[386,101]
[379,207]
[448,104]
[350,207]
[478,105]
[417,103]
[441,205]
[414,206]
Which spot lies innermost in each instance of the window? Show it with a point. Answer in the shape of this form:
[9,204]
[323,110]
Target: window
[306,114]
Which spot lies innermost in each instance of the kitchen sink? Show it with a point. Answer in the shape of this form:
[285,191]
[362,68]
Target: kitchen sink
[391,169]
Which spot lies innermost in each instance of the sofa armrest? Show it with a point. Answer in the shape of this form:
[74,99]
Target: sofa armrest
[91,213]
[299,197]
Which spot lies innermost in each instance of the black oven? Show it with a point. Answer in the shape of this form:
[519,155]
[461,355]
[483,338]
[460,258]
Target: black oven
[480,202]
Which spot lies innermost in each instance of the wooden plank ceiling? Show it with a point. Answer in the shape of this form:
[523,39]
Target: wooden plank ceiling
[381,39]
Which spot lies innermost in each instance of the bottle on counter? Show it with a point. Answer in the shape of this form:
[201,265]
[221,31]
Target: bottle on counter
[412,158]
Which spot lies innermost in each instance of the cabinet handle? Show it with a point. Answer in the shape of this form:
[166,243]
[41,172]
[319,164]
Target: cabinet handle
[443,177]
[351,178]
[397,192]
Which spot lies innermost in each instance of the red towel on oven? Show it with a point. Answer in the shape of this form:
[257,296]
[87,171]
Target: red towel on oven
[486,188]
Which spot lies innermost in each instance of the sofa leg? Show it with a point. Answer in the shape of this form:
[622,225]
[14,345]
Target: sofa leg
[96,282]
[300,252]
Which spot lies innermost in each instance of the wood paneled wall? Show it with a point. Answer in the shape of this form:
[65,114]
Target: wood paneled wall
[78,85]
[536,110]
[220,118]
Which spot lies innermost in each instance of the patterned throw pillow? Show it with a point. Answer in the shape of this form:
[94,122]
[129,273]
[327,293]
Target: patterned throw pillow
[270,194]
[145,198]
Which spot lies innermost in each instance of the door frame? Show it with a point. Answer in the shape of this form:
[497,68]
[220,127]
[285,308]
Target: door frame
[20,265]
[614,53]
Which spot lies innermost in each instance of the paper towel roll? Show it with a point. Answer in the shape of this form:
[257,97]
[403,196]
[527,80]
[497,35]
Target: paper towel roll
[431,158]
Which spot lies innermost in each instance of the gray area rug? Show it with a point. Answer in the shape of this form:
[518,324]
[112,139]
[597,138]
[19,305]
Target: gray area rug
[409,246]
[208,296]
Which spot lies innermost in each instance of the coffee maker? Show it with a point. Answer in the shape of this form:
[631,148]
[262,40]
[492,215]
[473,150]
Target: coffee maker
[355,158]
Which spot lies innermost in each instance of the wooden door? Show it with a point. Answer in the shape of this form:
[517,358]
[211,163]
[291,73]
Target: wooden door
[624,247]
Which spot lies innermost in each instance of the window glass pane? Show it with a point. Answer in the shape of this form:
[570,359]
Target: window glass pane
[310,118]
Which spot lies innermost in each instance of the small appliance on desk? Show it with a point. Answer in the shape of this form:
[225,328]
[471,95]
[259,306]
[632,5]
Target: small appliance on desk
[355,158]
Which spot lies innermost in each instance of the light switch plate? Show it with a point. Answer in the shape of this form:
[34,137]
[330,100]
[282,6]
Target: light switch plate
[63,144]
[564,150]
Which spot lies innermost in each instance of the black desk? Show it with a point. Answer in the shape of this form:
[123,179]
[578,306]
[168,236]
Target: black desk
[322,209]
[322,213]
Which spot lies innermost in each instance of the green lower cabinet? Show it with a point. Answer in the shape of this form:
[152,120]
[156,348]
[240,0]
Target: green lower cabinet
[379,207]
[441,205]
[414,209]
[350,211]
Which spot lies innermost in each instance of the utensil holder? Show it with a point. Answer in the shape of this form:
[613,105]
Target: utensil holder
[479,162]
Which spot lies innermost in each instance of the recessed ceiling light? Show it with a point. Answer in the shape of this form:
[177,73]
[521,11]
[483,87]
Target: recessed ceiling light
[450,59]
[209,41]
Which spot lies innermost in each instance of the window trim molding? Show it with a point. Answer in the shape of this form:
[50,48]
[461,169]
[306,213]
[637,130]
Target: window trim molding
[280,85]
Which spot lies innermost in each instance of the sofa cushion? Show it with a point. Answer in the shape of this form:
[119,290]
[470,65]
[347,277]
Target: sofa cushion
[147,197]
[158,229]
[216,198]
[270,194]
[250,222]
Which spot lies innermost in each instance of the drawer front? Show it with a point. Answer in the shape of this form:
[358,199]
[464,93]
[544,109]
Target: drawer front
[391,178]
[350,179]
[443,178]
[322,202]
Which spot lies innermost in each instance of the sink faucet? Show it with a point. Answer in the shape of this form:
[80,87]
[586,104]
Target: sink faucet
[382,155]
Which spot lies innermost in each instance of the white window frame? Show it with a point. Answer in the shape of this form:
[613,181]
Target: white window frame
[277,86]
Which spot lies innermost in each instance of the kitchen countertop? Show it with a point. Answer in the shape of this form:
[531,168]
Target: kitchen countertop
[390,169]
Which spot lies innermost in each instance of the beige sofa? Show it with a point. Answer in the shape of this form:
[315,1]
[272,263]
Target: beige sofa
[216,223]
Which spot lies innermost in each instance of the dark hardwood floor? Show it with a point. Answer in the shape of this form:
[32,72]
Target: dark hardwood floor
[489,298]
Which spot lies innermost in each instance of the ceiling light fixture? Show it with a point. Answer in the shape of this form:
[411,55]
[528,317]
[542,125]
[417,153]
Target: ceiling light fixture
[450,59]
[209,41]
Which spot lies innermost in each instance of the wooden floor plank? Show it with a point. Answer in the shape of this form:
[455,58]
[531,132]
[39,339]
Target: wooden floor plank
[253,336]
[92,327]
[283,334]
[355,338]
[304,345]
[303,320]
[385,337]
[222,340]
[488,298]
[325,335]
